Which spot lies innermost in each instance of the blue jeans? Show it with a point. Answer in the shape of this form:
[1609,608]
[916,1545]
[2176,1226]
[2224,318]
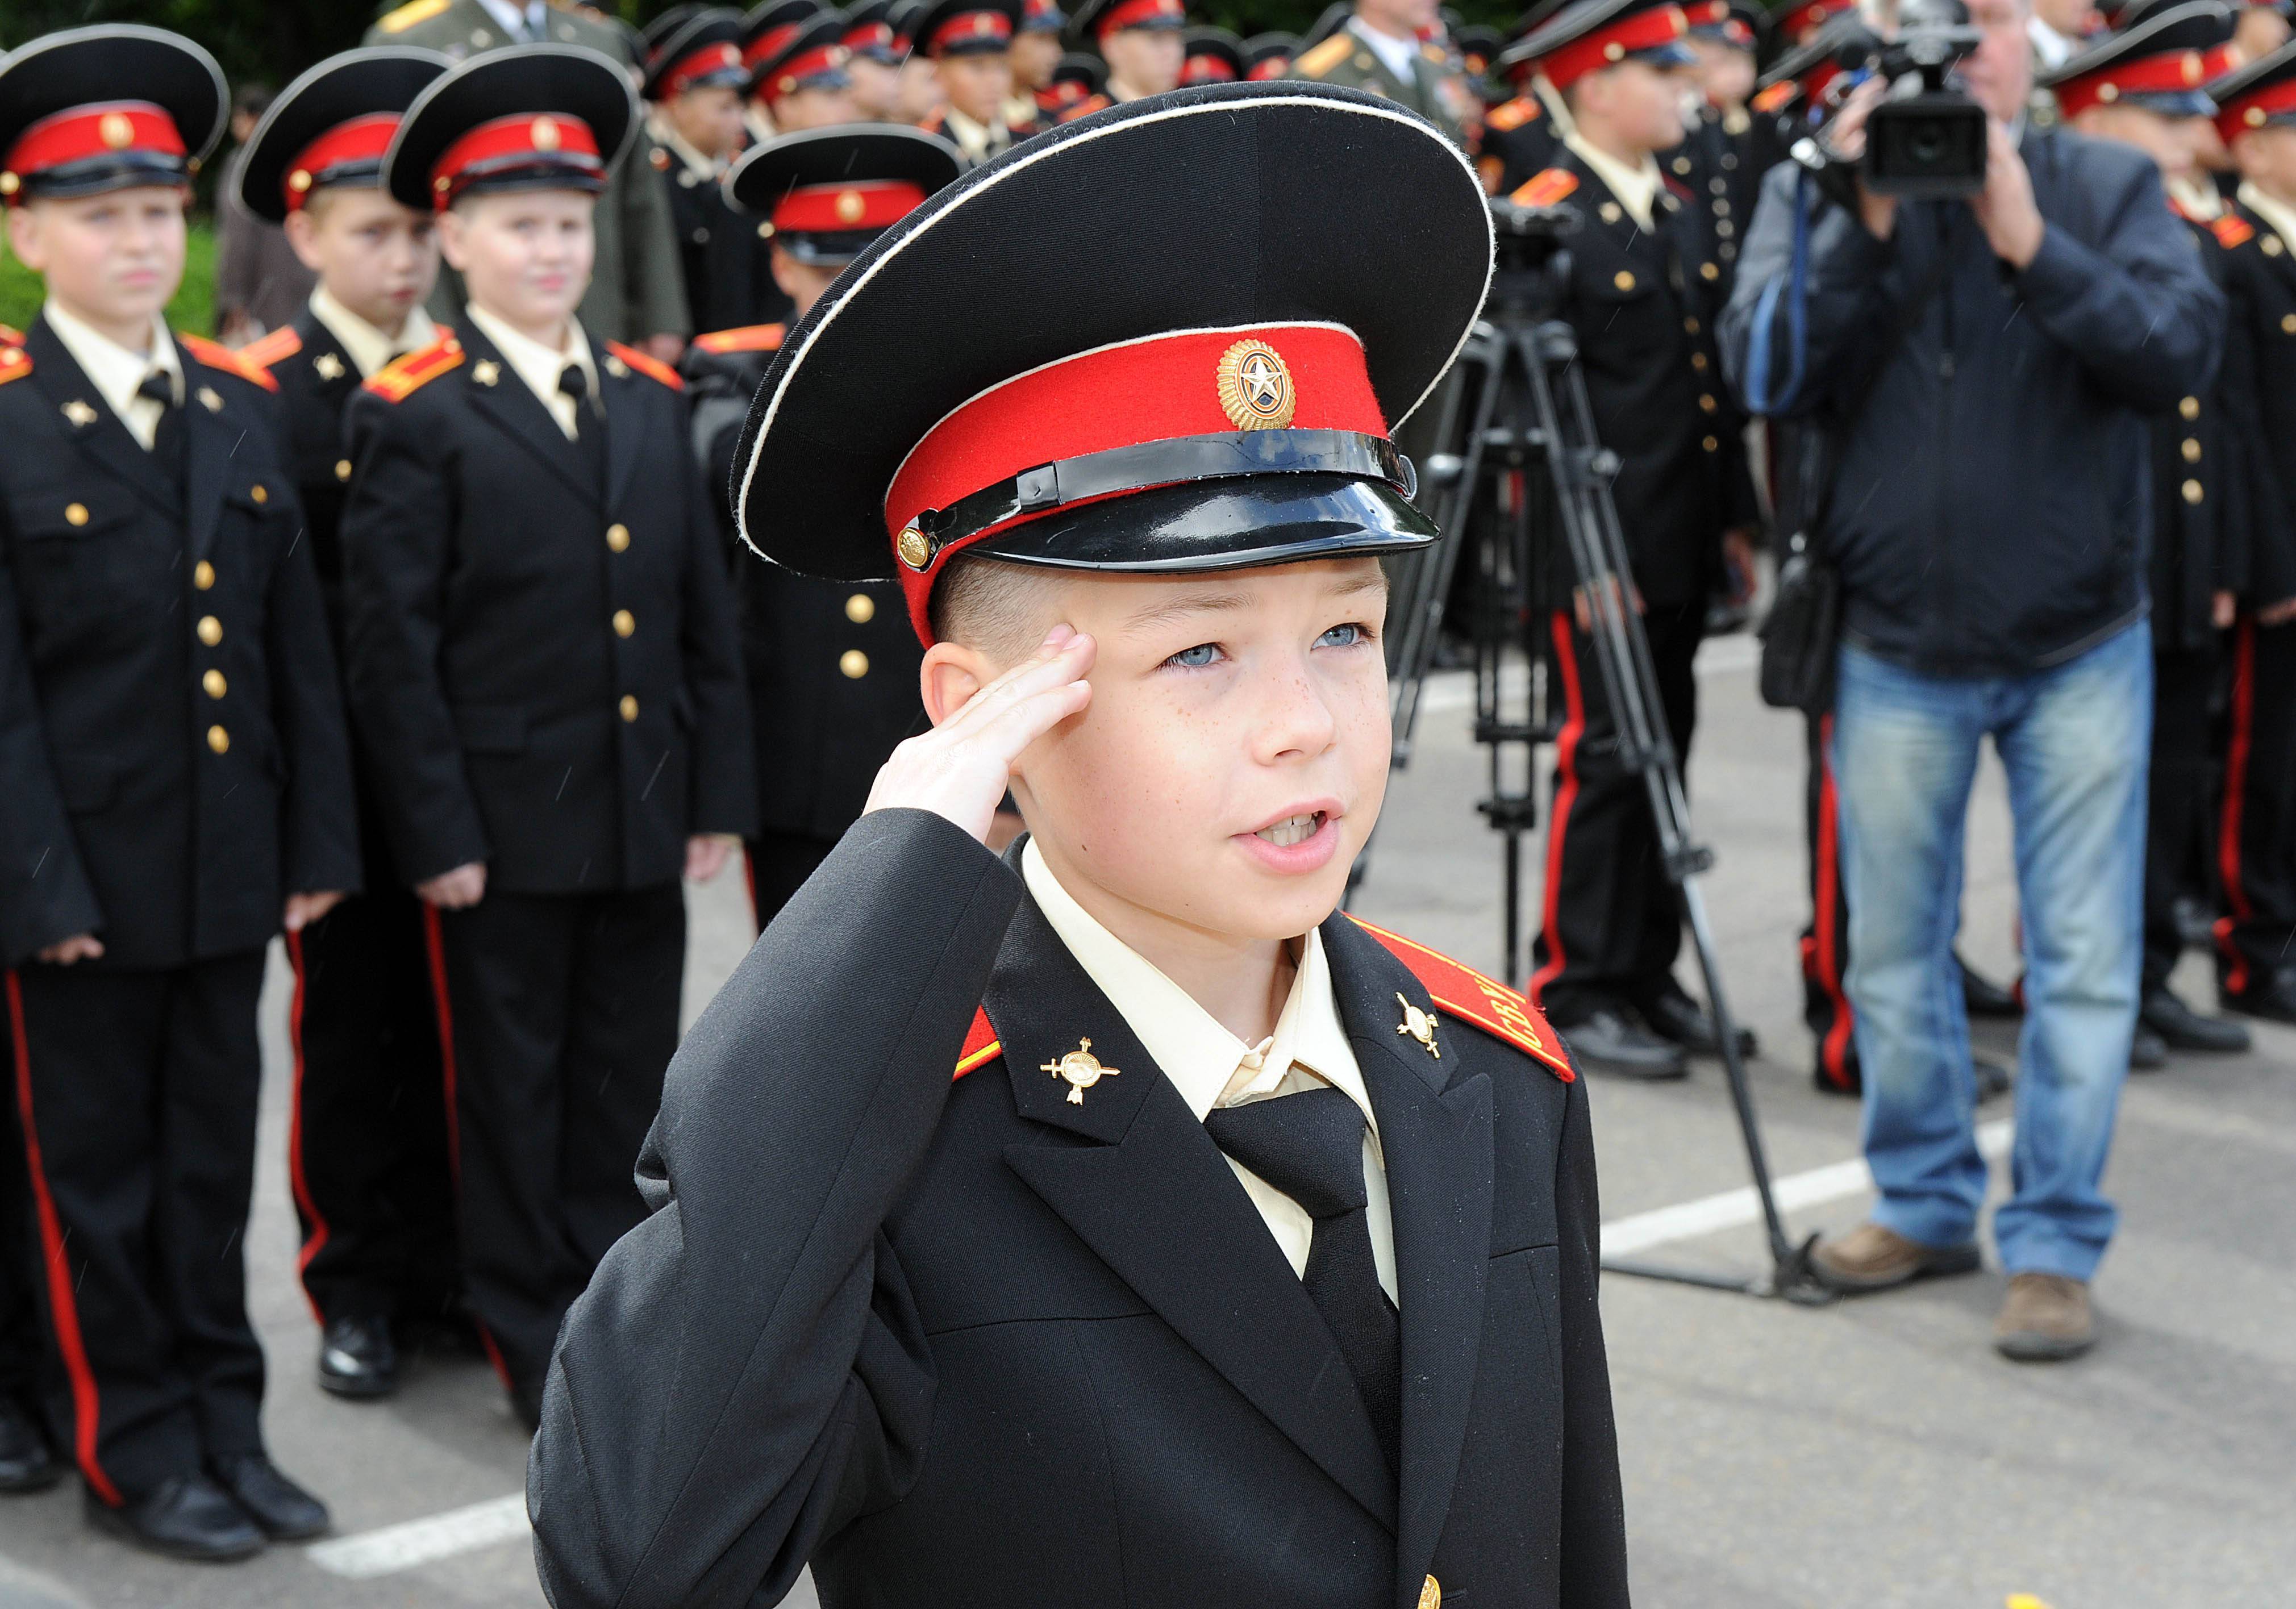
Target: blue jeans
[2073,740]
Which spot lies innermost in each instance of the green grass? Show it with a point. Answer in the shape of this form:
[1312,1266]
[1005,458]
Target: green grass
[193,309]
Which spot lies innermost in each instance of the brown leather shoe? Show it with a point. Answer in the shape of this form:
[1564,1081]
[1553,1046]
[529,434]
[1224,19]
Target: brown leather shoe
[1871,1257]
[2045,1319]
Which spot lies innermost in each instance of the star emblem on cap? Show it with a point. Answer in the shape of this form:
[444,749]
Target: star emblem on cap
[1255,387]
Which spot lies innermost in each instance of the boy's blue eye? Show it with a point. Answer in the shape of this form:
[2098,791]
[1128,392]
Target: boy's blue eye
[1197,658]
[1343,637]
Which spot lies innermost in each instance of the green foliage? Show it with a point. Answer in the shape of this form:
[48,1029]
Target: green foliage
[193,309]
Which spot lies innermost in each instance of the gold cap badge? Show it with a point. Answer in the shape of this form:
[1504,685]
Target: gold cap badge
[850,206]
[913,550]
[1255,387]
[1080,1068]
[544,134]
[116,131]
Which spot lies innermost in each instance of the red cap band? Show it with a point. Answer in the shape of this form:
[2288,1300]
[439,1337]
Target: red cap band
[552,137]
[360,140]
[1206,69]
[1274,67]
[104,129]
[1136,13]
[870,36]
[1609,46]
[1192,382]
[831,208]
[1796,22]
[721,57]
[2172,73]
[2254,110]
[791,75]
[970,28]
[769,44]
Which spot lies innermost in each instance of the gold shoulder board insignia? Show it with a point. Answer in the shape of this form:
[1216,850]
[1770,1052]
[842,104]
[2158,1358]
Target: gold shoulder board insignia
[403,376]
[216,356]
[414,12]
[653,368]
[1544,189]
[1324,57]
[1467,994]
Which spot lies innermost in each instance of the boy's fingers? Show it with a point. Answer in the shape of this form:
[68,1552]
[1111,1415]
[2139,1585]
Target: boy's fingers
[1049,668]
[1023,723]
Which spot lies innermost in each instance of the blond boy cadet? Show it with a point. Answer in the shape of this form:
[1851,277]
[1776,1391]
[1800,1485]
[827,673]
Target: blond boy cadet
[177,788]
[969,44]
[1091,1322]
[367,1143]
[542,660]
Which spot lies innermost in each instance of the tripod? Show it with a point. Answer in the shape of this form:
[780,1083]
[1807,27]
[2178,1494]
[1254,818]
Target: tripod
[1515,416]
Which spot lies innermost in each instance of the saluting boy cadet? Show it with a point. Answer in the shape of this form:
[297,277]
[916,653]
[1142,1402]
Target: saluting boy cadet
[543,661]
[1111,1222]
[833,665]
[367,1144]
[177,787]
[968,43]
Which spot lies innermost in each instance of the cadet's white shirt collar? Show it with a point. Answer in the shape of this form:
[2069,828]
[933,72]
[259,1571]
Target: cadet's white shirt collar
[2279,214]
[1395,55]
[519,23]
[702,168]
[115,372]
[369,348]
[539,366]
[1636,188]
[971,138]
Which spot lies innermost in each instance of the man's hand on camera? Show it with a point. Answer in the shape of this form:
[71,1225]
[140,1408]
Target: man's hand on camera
[2005,206]
[1845,137]
[961,768]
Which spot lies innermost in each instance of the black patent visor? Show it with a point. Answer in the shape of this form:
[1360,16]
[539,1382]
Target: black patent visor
[1178,461]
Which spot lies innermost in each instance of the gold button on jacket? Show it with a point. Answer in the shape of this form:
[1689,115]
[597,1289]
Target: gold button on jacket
[218,739]
[210,630]
[625,622]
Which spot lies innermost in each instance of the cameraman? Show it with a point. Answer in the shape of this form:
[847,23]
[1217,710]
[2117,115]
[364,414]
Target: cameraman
[1982,366]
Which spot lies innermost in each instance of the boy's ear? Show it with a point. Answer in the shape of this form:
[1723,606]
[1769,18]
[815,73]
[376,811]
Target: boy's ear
[449,230]
[302,232]
[952,674]
[24,235]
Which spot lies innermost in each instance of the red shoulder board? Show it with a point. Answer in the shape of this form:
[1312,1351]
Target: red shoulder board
[402,377]
[749,338]
[2231,230]
[11,336]
[216,356]
[14,364]
[653,368]
[1464,992]
[1515,113]
[981,1045]
[1086,108]
[1776,96]
[275,348]
[1545,188]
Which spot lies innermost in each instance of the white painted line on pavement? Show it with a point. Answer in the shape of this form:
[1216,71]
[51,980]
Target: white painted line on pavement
[1732,1209]
[396,1548]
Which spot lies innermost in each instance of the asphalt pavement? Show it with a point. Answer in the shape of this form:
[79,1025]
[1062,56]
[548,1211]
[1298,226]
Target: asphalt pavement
[1875,1453]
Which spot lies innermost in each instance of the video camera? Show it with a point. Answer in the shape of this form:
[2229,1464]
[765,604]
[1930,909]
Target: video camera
[1925,140]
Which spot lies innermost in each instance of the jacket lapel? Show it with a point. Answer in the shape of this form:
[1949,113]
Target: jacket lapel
[1435,1136]
[92,425]
[624,421]
[210,444]
[1135,1175]
[506,400]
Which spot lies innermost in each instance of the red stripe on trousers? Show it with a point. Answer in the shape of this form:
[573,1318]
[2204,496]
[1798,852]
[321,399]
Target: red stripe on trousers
[1566,794]
[2236,785]
[62,1305]
[296,1180]
[1833,1050]
[434,944]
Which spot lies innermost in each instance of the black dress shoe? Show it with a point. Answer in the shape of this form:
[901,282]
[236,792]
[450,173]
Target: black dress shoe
[2148,1052]
[27,1462]
[1981,996]
[285,1510]
[1674,1015]
[356,1357]
[2273,999]
[1614,1039]
[185,1517]
[2181,1027]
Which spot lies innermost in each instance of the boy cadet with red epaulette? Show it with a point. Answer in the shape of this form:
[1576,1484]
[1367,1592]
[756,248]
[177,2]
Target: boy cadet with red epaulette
[1641,300]
[1249,1257]
[367,1143]
[177,788]
[969,43]
[543,663]
[832,667]
[695,84]
[1141,42]
[2256,964]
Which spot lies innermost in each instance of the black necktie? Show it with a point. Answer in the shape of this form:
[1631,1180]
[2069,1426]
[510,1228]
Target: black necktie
[588,435]
[167,436]
[1309,1145]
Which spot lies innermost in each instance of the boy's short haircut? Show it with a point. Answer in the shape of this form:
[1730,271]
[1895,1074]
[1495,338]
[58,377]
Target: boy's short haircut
[989,605]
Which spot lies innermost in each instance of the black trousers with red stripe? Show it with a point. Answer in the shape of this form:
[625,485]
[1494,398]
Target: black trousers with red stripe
[1611,928]
[367,1145]
[137,1095]
[1825,940]
[2180,789]
[561,1013]
[2256,843]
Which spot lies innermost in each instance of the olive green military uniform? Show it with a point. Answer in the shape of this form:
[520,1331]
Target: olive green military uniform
[1433,91]
[636,289]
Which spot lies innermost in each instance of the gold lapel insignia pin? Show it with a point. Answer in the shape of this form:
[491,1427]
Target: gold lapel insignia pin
[328,366]
[1419,1025]
[486,371]
[209,400]
[79,413]
[1080,1068]
[618,368]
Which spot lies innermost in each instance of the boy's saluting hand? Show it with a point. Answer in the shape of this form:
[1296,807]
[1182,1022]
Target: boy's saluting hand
[961,768]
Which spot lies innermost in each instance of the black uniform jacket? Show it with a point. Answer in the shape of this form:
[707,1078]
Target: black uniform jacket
[968,1345]
[1643,304]
[316,378]
[541,659]
[2260,383]
[728,283]
[832,665]
[2202,484]
[1720,163]
[161,789]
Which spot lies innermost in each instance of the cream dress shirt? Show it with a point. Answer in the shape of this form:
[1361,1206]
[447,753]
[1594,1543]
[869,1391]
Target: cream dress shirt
[1211,1068]
[369,348]
[1636,188]
[1395,55]
[539,366]
[116,372]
